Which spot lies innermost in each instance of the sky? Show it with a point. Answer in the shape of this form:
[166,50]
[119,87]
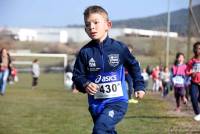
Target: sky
[58,13]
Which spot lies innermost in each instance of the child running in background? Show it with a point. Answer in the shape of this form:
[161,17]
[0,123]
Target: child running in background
[178,80]
[166,81]
[193,70]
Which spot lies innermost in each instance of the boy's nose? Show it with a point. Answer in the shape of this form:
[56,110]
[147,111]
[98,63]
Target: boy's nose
[92,26]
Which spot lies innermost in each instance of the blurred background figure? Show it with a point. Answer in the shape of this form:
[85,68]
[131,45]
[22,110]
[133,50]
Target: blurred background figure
[35,73]
[166,81]
[68,76]
[145,76]
[149,70]
[5,62]
[13,75]
[68,80]
[129,81]
[157,84]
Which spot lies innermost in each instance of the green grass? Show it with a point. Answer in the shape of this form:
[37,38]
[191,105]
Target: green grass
[50,109]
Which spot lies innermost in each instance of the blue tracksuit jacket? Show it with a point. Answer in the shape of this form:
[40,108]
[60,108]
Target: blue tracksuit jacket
[104,65]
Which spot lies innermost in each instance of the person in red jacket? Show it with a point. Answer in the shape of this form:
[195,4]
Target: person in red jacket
[193,70]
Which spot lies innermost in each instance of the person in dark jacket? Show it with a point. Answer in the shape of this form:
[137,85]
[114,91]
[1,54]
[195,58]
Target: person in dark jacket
[99,72]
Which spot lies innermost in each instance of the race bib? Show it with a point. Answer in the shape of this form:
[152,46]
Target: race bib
[196,67]
[178,80]
[110,85]
[109,90]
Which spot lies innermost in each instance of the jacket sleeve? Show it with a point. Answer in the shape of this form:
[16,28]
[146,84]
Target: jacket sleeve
[79,73]
[134,70]
[189,68]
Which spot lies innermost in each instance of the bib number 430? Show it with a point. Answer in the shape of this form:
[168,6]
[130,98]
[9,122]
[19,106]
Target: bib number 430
[109,90]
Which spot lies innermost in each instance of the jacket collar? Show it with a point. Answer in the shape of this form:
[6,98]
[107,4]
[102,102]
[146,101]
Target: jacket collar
[105,42]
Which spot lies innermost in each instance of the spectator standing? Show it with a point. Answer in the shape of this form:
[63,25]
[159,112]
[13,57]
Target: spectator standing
[5,63]
[35,73]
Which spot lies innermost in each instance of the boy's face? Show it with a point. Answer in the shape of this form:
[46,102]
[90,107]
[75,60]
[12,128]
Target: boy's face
[96,26]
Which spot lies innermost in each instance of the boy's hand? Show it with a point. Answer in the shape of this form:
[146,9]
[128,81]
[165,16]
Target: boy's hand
[92,88]
[139,94]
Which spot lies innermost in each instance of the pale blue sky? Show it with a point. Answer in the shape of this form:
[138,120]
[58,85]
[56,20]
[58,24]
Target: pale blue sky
[36,13]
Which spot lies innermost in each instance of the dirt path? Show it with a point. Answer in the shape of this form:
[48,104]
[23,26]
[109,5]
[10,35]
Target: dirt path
[185,123]
[186,109]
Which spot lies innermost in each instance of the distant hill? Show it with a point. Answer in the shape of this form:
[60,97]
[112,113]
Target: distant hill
[179,21]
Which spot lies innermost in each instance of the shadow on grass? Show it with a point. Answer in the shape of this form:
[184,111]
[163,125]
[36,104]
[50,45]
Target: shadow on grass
[154,117]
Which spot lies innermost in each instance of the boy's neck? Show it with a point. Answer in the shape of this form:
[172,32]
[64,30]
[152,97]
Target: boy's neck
[102,39]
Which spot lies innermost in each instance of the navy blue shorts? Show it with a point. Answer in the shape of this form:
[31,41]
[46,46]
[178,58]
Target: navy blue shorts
[105,122]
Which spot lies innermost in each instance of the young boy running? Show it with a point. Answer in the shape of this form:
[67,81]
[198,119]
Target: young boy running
[99,72]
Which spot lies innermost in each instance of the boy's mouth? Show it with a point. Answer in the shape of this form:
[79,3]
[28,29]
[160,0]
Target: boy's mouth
[93,33]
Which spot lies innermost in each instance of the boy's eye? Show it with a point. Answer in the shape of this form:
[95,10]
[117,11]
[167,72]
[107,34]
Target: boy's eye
[96,22]
[88,24]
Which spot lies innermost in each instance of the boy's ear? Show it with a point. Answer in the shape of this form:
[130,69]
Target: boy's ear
[109,23]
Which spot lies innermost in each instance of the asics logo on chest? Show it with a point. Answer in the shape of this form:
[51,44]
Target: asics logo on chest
[105,78]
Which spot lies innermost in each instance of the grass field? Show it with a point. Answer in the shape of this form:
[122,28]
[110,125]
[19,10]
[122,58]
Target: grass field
[50,109]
